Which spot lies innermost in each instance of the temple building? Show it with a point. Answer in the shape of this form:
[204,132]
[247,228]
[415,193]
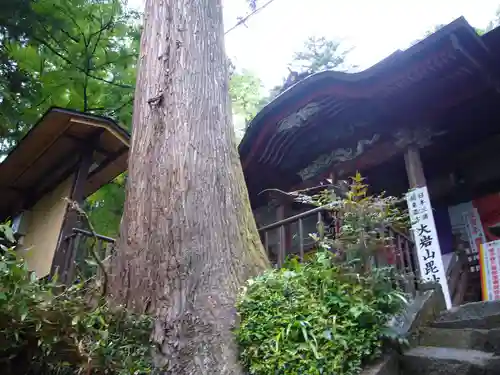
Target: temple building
[428,117]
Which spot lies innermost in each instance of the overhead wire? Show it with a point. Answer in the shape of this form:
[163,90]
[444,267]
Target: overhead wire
[242,20]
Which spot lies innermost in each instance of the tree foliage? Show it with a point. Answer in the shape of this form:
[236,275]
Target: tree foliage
[495,22]
[17,90]
[105,206]
[77,54]
[319,54]
[246,91]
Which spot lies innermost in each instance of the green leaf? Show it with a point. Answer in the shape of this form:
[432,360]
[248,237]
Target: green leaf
[7,233]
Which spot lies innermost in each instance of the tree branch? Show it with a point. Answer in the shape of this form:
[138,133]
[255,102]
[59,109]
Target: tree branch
[68,14]
[114,61]
[122,85]
[74,39]
[53,50]
[114,111]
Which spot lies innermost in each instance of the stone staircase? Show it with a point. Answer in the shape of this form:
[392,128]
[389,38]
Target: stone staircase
[462,341]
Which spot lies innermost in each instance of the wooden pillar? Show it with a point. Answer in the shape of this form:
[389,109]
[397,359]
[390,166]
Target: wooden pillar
[280,215]
[414,169]
[64,254]
[288,229]
[416,179]
[285,232]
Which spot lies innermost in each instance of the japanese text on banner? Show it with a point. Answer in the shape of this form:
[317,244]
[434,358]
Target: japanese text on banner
[490,269]
[426,240]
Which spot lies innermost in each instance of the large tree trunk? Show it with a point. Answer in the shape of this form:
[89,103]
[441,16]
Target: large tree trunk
[188,238]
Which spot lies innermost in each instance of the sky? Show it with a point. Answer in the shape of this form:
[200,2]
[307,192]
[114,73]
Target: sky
[374,29]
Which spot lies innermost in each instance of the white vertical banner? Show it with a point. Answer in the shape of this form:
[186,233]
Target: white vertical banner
[426,240]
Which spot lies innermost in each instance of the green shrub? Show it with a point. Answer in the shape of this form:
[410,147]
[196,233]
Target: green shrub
[68,332]
[330,314]
[314,318]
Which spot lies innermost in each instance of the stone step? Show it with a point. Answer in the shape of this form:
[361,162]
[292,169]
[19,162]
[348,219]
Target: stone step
[465,338]
[448,361]
[468,338]
[389,365]
[479,315]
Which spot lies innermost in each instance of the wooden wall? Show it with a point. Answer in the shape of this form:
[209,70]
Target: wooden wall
[44,226]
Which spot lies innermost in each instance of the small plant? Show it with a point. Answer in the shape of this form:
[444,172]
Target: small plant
[364,218]
[73,331]
[314,318]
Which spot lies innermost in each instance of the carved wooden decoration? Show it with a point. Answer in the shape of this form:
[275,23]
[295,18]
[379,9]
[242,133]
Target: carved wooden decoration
[422,136]
[299,118]
[338,155]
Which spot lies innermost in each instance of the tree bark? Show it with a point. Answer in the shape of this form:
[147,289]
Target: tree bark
[188,239]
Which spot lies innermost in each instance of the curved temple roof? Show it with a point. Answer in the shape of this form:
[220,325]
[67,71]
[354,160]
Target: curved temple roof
[291,140]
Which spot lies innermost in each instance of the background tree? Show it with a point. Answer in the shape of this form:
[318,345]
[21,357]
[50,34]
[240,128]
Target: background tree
[105,207]
[246,91]
[17,90]
[491,25]
[319,54]
[433,30]
[495,22]
[78,54]
[188,238]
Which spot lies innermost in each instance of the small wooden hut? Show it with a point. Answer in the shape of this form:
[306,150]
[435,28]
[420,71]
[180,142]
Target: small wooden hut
[67,154]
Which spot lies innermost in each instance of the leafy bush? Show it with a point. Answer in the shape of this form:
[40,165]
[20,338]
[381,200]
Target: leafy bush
[72,331]
[330,314]
[314,318]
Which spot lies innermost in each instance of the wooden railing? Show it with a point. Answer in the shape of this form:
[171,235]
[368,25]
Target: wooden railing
[398,251]
[82,263]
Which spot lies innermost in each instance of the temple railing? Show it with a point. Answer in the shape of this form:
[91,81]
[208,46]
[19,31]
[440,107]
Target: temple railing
[398,251]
